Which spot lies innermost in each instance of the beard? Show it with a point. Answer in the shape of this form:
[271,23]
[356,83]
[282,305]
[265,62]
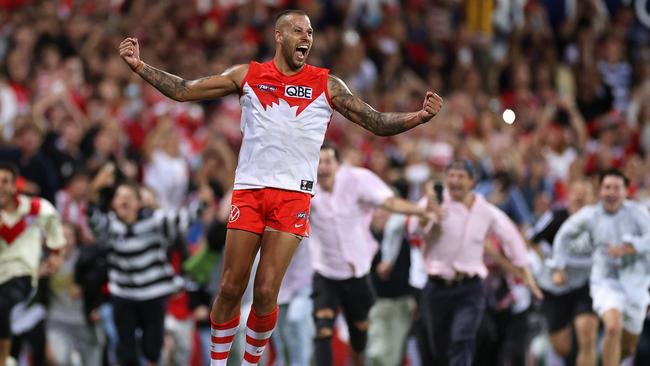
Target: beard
[5,199]
[288,54]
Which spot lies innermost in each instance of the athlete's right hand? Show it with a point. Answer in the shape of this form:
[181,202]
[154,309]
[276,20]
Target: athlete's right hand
[559,277]
[130,52]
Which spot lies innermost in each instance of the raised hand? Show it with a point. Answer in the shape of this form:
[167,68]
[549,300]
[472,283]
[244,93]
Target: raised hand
[430,107]
[104,178]
[130,52]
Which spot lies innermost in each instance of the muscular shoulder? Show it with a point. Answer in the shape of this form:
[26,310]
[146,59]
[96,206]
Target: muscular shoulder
[359,172]
[586,215]
[637,210]
[491,210]
[364,178]
[237,73]
[46,208]
[336,87]
[36,206]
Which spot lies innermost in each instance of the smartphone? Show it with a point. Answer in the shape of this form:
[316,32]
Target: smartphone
[438,188]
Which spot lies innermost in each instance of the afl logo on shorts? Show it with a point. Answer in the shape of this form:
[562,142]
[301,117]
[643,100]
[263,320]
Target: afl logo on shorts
[234,213]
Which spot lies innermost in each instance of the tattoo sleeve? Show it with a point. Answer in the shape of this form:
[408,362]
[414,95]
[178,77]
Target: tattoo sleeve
[359,112]
[170,85]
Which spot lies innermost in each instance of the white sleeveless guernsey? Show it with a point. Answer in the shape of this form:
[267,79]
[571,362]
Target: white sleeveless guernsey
[283,124]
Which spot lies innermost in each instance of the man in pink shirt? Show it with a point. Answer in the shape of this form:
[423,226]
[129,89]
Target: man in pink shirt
[453,300]
[342,248]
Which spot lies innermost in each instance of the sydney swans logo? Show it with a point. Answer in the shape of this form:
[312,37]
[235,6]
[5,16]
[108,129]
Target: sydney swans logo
[296,97]
[234,213]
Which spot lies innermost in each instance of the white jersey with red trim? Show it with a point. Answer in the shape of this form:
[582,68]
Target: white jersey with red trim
[283,123]
[22,234]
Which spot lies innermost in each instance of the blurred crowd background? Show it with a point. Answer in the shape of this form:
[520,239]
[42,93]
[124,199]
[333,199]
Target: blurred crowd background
[537,93]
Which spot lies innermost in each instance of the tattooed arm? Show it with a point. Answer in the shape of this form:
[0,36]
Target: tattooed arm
[381,124]
[178,88]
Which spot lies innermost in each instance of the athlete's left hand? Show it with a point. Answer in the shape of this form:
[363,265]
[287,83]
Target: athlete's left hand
[430,107]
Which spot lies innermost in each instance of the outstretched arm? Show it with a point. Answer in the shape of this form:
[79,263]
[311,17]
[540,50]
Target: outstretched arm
[178,88]
[381,124]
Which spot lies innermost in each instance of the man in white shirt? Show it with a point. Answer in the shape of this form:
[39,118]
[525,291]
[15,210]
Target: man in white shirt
[342,248]
[619,234]
[23,221]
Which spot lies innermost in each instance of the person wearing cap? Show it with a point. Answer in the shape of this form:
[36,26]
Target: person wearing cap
[453,300]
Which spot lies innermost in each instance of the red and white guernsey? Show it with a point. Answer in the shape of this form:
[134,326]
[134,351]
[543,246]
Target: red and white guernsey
[21,237]
[283,123]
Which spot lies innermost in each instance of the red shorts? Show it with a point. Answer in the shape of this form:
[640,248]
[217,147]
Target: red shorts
[256,209]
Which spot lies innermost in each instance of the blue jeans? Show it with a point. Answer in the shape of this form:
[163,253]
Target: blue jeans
[108,322]
[295,331]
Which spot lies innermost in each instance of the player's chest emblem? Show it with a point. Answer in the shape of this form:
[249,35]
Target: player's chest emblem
[297,91]
[297,97]
[9,233]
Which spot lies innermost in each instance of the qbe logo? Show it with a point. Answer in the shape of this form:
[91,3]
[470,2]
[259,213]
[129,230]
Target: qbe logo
[295,91]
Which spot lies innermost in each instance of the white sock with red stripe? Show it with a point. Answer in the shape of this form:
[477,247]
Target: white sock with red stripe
[222,336]
[258,333]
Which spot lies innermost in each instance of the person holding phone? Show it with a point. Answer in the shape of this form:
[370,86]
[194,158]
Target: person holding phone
[453,300]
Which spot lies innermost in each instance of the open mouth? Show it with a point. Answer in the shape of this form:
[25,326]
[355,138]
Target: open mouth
[301,51]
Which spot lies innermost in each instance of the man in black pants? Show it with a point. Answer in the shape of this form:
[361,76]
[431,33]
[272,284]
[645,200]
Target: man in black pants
[140,274]
[568,307]
[342,249]
[453,300]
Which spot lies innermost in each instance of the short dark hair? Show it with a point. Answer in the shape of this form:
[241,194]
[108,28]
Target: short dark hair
[287,13]
[132,185]
[327,145]
[613,172]
[78,172]
[463,164]
[10,167]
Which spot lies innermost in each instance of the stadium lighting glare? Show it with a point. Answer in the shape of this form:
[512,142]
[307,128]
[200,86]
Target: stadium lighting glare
[509,116]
